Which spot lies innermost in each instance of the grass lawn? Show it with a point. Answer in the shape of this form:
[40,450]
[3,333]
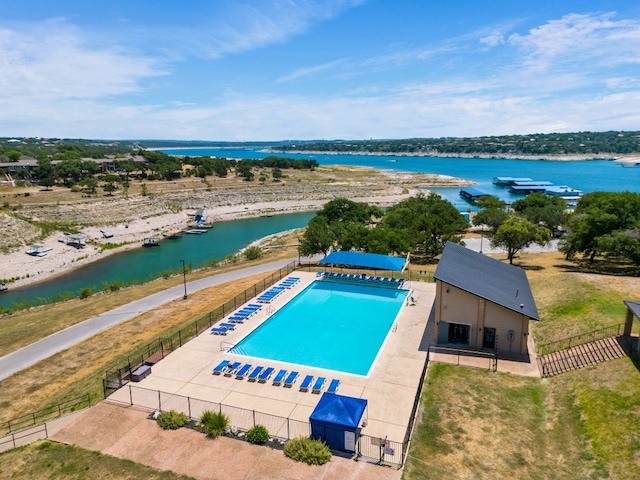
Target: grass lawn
[47,460]
[479,424]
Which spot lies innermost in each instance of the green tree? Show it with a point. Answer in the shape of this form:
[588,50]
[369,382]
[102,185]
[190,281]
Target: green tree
[426,223]
[492,213]
[47,183]
[542,209]
[517,233]
[602,224]
[276,173]
[317,237]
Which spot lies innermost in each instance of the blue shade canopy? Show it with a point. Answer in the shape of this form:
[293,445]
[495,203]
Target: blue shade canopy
[339,410]
[367,260]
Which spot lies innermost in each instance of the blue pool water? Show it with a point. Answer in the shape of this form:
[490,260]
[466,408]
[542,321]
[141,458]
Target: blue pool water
[332,325]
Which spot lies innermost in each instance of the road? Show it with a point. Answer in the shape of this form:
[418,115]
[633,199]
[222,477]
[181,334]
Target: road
[59,341]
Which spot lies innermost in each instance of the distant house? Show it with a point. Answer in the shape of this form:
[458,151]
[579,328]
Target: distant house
[482,303]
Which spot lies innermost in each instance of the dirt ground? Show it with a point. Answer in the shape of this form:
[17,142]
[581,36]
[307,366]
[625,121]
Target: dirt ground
[132,435]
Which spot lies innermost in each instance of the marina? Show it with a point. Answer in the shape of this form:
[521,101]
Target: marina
[472,194]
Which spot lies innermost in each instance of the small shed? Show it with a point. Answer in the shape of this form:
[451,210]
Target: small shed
[336,421]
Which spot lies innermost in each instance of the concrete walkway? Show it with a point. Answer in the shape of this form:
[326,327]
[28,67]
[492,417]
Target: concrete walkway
[59,341]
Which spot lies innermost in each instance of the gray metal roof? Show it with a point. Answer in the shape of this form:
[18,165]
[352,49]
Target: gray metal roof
[634,307]
[487,278]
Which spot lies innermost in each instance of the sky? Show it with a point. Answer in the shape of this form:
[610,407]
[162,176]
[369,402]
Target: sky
[243,70]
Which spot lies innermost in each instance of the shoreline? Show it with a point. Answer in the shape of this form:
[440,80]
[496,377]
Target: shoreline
[62,258]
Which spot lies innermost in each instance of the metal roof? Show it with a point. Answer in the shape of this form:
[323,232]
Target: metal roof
[488,278]
[634,307]
[368,260]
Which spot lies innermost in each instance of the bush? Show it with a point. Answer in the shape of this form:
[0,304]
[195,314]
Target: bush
[85,292]
[212,423]
[258,435]
[253,253]
[307,450]
[171,420]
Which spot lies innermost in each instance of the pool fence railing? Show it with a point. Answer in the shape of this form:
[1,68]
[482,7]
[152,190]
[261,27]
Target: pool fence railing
[154,351]
[382,451]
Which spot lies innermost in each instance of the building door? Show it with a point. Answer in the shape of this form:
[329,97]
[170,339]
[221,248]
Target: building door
[459,333]
[489,340]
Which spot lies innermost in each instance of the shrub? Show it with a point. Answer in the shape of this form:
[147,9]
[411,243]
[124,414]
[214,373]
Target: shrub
[258,435]
[85,292]
[307,450]
[253,253]
[171,420]
[213,423]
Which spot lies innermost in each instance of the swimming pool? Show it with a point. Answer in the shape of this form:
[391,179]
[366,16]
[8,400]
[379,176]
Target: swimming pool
[334,325]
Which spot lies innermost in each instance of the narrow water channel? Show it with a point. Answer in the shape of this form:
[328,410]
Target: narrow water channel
[144,264]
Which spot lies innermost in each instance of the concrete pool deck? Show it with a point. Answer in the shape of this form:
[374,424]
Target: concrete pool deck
[390,389]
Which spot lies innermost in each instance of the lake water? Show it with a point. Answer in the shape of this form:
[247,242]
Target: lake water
[142,264]
[587,175]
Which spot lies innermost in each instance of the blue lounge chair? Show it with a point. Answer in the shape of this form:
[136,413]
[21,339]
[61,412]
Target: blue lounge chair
[219,331]
[265,375]
[277,380]
[306,383]
[257,306]
[243,371]
[237,319]
[228,326]
[217,370]
[317,387]
[333,386]
[291,378]
[231,369]
[253,376]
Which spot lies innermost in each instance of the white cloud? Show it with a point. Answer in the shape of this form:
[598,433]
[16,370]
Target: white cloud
[580,41]
[49,62]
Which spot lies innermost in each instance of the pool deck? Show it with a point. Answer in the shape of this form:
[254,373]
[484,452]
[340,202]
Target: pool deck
[390,389]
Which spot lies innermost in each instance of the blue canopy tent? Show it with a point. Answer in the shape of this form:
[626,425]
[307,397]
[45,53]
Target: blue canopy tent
[367,260]
[336,420]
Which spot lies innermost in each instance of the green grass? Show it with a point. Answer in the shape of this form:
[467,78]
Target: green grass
[47,460]
[479,424]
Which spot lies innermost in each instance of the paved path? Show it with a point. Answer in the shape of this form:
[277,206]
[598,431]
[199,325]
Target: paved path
[35,352]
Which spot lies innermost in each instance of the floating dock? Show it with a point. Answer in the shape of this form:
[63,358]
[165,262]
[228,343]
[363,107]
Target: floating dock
[472,194]
[508,181]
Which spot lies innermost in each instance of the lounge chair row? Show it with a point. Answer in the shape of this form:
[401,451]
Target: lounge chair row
[282,377]
[273,292]
[239,316]
[361,277]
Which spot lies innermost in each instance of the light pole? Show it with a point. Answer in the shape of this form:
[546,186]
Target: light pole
[184,278]
[481,236]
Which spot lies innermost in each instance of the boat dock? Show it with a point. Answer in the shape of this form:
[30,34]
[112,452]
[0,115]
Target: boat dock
[509,181]
[151,242]
[472,194]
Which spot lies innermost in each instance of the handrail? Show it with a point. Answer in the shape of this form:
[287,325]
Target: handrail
[581,339]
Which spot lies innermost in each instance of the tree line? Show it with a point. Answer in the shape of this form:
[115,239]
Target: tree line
[603,224]
[580,143]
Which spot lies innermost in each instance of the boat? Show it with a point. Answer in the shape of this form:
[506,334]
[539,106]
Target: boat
[200,226]
[150,242]
[3,287]
[196,231]
[38,250]
[173,234]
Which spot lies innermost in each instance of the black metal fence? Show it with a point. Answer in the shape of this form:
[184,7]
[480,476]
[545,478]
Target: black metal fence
[565,343]
[156,350]
[464,357]
[371,449]
[45,414]
[23,437]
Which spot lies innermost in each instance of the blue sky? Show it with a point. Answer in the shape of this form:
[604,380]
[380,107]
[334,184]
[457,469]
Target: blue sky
[352,69]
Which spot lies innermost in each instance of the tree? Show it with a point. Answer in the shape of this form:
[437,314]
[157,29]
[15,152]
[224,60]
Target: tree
[109,188]
[426,223]
[540,208]
[47,183]
[317,237]
[602,224]
[517,233]
[492,212]
[276,173]
[346,211]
